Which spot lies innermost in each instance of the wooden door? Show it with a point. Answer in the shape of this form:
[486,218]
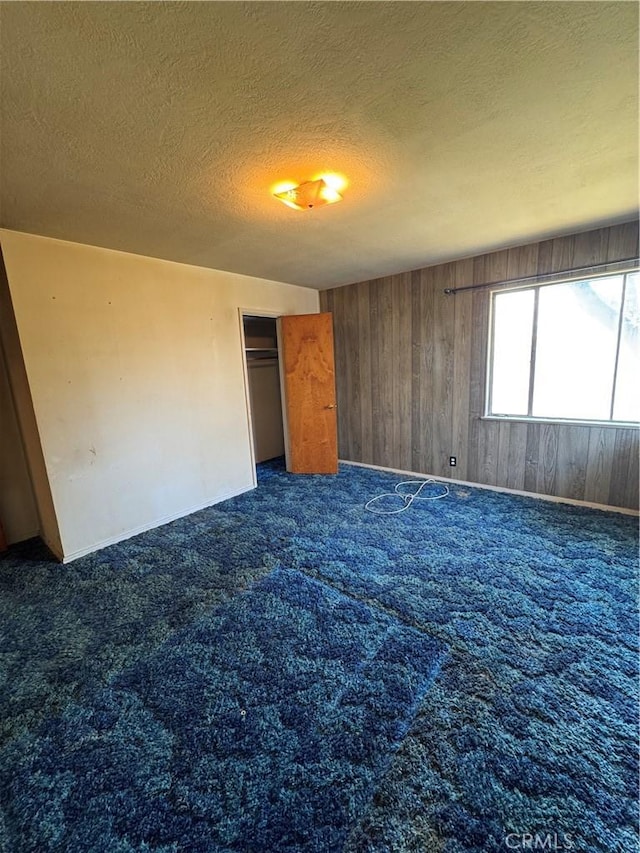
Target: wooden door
[309,393]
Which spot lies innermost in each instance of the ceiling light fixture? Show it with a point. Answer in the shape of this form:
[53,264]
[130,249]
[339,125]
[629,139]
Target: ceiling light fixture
[309,195]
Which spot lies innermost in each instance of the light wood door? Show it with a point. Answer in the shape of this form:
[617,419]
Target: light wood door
[309,393]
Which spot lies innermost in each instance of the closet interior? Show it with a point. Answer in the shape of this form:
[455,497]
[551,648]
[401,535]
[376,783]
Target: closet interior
[261,351]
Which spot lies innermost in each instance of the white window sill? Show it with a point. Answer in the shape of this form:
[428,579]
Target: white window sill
[559,421]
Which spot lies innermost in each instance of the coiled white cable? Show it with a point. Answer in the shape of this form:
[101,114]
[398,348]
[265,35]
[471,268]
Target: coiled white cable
[407,497]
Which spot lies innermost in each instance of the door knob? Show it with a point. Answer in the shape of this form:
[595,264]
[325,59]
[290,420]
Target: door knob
[332,406]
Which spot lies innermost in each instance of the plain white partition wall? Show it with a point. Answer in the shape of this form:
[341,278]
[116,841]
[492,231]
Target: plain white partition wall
[135,368]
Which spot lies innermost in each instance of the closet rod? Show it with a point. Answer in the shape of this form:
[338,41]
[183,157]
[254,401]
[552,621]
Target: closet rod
[555,276]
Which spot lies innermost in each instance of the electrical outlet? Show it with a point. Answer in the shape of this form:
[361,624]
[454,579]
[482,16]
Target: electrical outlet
[453,461]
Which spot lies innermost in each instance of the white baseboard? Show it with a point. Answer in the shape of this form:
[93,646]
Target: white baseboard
[552,498]
[135,531]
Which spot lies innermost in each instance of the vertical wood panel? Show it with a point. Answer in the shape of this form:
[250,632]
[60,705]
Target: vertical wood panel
[335,303]
[463,326]
[602,442]
[382,339]
[422,370]
[352,353]
[443,343]
[623,242]
[387,369]
[502,464]
[517,457]
[364,344]
[488,446]
[412,371]
[374,357]
[545,255]
[479,309]
[547,459]
[562,254]
[631,495]
[396,318]
[402,367]
[532,458]
[591,248]
[419,372]
[623,488]
[523,261]
[573,456]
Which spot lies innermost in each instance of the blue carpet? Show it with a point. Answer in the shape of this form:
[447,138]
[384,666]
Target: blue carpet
[530,727]
[263,726]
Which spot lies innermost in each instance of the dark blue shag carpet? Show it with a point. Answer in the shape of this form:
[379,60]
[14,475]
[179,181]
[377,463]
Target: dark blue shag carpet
[262,726]
[529,730]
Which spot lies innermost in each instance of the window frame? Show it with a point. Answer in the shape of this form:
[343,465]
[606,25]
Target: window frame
[536,287]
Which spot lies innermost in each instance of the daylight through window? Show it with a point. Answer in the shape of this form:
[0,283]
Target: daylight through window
[567,351]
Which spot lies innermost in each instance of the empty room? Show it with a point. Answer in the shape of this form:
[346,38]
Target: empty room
[319,427]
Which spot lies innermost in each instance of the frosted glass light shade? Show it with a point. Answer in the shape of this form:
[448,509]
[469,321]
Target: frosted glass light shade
[309,195]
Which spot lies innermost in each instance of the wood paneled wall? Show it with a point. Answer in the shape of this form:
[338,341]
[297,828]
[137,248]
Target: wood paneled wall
[411,368]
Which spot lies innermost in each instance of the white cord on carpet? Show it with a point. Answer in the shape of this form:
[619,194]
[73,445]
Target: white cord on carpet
[407,497]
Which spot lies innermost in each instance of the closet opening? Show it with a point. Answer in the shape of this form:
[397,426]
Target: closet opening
[264,399]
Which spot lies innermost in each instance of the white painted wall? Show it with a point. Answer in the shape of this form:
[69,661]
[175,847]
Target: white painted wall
[136,375]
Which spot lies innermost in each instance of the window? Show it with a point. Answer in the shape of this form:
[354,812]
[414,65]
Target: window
[567,350]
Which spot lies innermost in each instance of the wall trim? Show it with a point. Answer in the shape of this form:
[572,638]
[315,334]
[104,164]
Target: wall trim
[553,498]
[129,534]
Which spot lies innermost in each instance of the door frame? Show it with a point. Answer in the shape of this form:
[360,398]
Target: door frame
[268,315]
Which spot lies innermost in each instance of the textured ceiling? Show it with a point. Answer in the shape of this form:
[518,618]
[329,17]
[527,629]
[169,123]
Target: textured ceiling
[159,128]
